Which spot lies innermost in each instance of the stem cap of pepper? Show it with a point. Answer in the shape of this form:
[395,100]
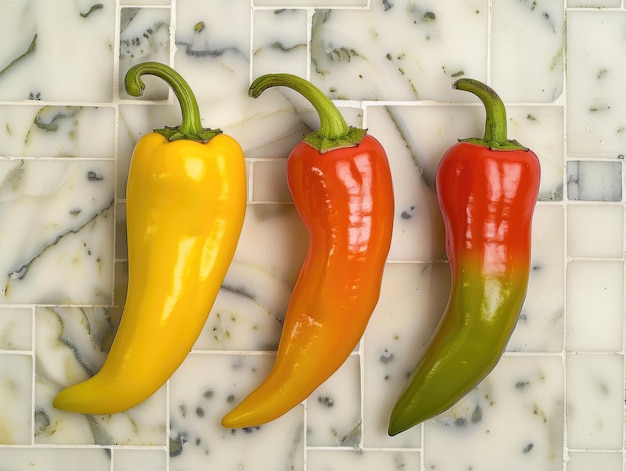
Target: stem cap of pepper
[495,137]
[334,132]
[191,126]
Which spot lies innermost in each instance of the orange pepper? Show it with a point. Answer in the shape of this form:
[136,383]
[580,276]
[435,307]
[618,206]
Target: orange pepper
[341,185]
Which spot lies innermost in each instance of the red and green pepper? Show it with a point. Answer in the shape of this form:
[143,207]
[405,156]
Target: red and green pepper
[487,189]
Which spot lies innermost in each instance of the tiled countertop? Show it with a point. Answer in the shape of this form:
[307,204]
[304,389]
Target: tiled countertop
[555,402]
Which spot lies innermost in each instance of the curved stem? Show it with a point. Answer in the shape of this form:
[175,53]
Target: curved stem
[191,125]
[495,123]
[332,124]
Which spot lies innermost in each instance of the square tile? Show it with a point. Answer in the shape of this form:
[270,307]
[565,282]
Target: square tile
[595,401]
[595,304]
[369,460]
[144,36]
[525,391]
[594,181]
[133,459]
[535,72]
[591,461]
[71,64]
[398,50]
[279,42]
[62,222]
[16,386]
[204,389]
[333,410]
[595,123]
[16,324]
[595,231]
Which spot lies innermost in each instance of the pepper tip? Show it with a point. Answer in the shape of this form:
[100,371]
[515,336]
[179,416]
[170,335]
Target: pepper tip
[395,428]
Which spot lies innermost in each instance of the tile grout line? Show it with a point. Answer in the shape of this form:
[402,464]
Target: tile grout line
[309,37]
[489,39]
[33,375]
[623,167]
[116,138]
[116,153]
[168,398]
[564,204]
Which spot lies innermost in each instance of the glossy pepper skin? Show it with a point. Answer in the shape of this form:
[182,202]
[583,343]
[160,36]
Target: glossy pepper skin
[185,205]
[487,191]
[341,185]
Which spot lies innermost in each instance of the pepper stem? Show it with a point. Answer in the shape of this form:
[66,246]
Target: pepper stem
[495,123]
[191,125]
[334,132]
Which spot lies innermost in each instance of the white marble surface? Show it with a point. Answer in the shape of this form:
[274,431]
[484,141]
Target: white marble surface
[556,400]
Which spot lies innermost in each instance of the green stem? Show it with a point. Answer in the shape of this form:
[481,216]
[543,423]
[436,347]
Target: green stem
[333,132]
[495,123]
[191,125]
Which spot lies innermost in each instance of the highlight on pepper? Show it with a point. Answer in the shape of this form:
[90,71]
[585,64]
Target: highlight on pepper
[185,205]
[340,181]
[487,189]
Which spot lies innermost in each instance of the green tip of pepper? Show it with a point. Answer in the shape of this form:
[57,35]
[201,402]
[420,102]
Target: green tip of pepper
[396,427]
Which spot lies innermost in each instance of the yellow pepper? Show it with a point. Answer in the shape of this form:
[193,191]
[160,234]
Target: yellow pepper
[185,205]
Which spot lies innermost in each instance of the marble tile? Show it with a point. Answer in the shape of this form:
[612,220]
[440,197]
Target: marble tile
[279,42]
[540,326]
[412,300]
[370,460]
[248,312]
[595,115]
[54,459]
[201,392]
[16,392]
[595,293]
[595,231]
[214,56]
[16,327]
[398,50]
[145,2]
[57,131]
[311,3]
[594,3]
[133,459]
[61,222]
[590,461]
[269,181]
[524,391]
[45,62]
[144,36]
[333,410]
[71,345]
[418,228]
[121,240]
[594,181]
[595,401]
[535,31]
